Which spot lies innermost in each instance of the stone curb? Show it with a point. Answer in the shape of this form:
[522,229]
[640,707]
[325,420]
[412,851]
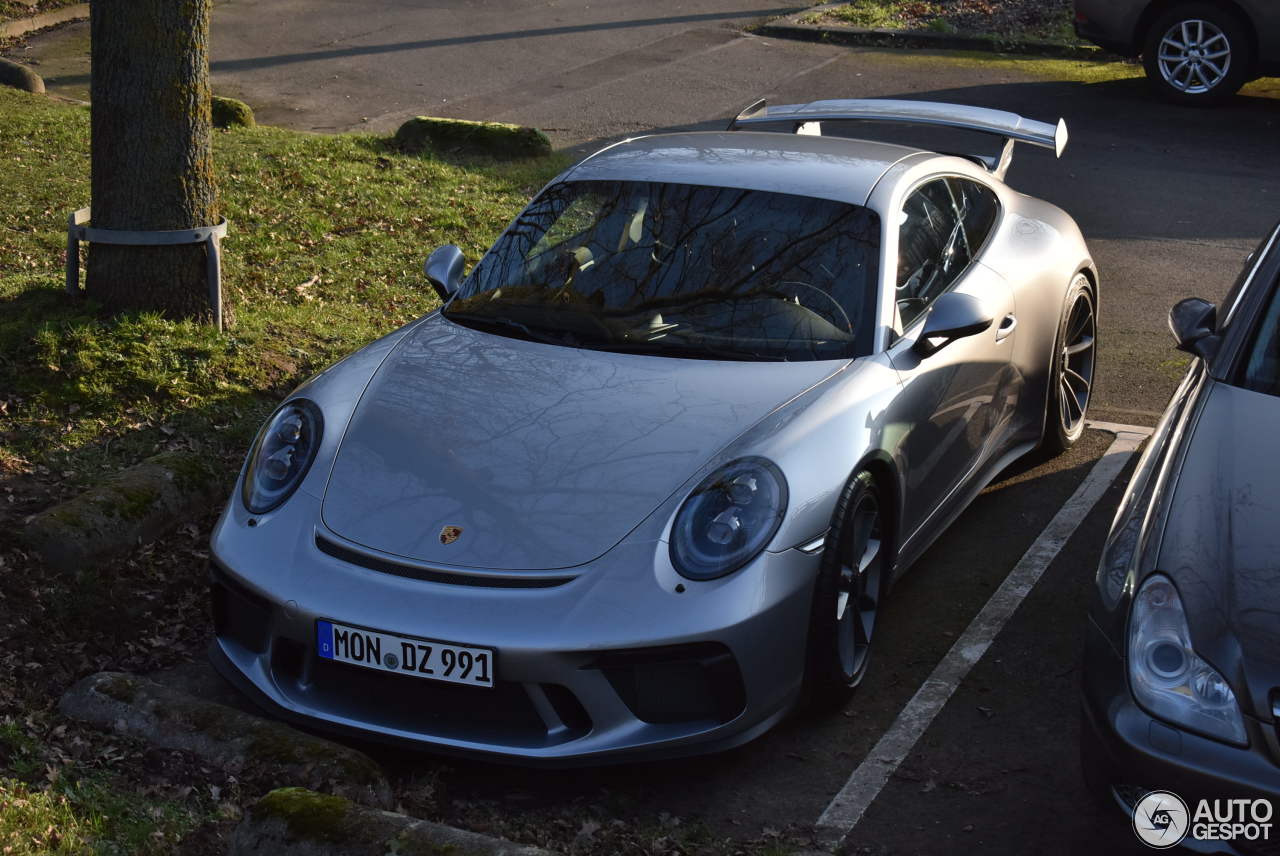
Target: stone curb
[256,749]
[230,113]
[298,822]
[22,26]
[494,139]
[18,75]
[791,27]
[140,503]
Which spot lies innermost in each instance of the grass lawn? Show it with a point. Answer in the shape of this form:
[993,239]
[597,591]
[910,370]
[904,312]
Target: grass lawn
[324,254]
[1047,20]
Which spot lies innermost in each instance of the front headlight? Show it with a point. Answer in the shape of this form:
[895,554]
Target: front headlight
[281,455]
[728,519]
[1168,678]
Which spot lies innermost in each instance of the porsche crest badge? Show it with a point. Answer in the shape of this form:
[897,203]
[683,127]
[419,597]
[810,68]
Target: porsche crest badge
[449,534]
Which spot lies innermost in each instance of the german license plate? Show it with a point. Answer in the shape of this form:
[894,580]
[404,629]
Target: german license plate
[405,655]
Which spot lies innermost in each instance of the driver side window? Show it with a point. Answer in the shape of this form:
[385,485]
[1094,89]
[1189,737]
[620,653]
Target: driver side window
[932,249]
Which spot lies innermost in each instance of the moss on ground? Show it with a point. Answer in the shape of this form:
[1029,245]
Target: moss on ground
[135,501]
[70,516]
[307,814]
[491,139]
[274,744]
[214,720]
[230,113]
[119,687]
[192,473]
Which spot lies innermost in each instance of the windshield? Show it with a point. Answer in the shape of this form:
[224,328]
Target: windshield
[681,270]
[1261,370]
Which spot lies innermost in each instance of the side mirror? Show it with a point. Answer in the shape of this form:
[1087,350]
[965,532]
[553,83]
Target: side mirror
[1193,322]
[444,270]
[952,316]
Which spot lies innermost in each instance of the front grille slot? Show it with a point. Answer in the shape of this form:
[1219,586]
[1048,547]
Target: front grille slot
[403,569]
[676,683]
[239,615]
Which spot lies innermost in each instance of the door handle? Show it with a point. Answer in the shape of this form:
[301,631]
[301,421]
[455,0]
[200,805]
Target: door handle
[1007,326]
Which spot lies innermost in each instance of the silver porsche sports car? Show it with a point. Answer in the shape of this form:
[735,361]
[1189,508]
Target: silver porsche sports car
[641,485]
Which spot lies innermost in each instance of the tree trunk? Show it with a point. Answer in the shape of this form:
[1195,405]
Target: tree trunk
[152,163]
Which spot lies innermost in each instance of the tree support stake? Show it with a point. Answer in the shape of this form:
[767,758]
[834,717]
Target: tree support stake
[77,231]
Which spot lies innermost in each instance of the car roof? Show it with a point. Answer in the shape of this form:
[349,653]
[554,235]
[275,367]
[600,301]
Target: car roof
[835,168]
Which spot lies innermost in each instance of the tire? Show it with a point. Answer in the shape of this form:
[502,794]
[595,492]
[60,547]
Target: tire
[1197,54]
[848,594]
[1071,373]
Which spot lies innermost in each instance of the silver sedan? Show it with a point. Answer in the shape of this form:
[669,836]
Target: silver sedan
[641,485]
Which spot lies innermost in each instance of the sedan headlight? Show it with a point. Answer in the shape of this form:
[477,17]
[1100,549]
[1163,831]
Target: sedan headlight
[1168,678]
[280,457]
[728,519]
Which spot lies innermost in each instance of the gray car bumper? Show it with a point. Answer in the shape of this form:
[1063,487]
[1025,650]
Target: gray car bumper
[608,666]
[1138,754]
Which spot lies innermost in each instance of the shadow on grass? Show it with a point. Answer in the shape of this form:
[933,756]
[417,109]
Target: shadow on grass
[85,393]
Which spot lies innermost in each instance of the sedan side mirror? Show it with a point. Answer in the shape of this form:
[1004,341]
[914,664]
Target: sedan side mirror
[1193,322]
[444,270]
[952,316]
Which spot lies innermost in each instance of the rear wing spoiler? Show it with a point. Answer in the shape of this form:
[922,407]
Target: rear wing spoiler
[807,119]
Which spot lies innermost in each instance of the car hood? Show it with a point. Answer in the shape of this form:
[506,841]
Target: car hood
[543,456]
[1221,542]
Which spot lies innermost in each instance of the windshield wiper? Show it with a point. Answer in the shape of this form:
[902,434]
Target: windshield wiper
[495,323]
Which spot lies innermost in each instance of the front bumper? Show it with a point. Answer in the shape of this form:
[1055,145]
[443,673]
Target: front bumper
[620,662]
[1136,753]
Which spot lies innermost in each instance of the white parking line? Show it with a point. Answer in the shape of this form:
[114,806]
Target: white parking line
[846,810]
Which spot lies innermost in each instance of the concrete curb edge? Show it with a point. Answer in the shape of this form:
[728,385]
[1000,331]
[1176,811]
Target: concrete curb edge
[791,27]
[19,76]
[22,26]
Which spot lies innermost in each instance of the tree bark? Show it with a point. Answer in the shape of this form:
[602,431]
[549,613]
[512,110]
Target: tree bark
[152,160]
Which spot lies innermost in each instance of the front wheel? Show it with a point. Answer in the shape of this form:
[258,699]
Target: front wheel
[1197,54]
[846,601]
[1072,370]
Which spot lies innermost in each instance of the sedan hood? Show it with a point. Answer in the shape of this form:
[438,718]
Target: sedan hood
[543,456]
[1221,544]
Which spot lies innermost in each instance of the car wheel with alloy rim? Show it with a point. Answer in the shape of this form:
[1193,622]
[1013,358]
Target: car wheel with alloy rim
[1072,373]
[1197,53]
[851,583]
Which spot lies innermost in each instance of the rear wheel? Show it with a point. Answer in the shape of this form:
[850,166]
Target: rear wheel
[1197,53]
[846,601]
[1071,373]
